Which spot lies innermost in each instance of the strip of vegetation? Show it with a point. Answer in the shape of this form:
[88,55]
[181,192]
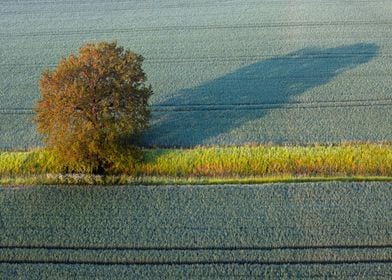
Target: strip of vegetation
[78,179]
[245,164]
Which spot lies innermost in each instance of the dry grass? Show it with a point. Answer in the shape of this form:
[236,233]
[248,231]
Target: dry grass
[346,160]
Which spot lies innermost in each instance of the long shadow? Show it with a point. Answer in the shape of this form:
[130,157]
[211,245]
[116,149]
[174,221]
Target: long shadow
[194,116]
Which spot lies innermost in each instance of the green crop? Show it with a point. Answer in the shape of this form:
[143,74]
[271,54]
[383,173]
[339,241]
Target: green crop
[272,230]
[227,73]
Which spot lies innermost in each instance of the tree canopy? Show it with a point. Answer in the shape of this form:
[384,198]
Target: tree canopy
[93,107]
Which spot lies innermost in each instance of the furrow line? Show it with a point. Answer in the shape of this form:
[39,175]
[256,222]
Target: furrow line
[70,2]
[206,248]
[271,103]
[199,27]
[237,107]
[188,5]
[280,107]
[218,59]
[188,263]
[241,104]
[269,108]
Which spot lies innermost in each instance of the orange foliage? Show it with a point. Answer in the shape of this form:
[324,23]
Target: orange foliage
[93,106]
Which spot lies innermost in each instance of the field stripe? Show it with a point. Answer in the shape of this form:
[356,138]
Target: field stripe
[207,248]
[271,57]
[240,107]
[199,27]
[187,5]
[182,263]
[199,256]
[72,2]
[284,106]
[244,104]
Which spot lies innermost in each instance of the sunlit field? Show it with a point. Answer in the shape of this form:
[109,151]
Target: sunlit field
[224,72]
[281,81]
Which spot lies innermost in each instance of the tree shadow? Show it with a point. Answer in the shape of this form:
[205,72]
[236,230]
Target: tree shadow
[195,116]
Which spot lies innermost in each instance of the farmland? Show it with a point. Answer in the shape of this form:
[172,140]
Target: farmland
[193,232]
[309,74]
[224,72]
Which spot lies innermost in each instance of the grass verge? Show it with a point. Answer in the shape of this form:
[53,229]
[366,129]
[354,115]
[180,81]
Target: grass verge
[220,165]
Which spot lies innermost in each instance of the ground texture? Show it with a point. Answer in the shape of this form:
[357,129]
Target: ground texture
[224,72]
[192,232]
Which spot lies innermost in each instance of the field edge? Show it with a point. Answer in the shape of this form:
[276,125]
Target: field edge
[85,179]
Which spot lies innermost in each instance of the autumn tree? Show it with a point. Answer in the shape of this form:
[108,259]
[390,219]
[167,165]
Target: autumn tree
[93,107]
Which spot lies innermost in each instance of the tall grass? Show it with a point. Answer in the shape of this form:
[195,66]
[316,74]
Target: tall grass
[37,161]
[243,161]
[359,159]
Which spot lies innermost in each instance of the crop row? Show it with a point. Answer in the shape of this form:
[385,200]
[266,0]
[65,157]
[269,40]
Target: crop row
[213,272]
[272,230]
[246,106]
[276,215]
[199,27]
[236,127]
[194,257]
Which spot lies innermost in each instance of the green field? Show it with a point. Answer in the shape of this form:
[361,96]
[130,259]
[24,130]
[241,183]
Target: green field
[224,72]
[277,230]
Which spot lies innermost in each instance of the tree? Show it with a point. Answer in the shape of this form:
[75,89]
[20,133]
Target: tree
[93,107]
